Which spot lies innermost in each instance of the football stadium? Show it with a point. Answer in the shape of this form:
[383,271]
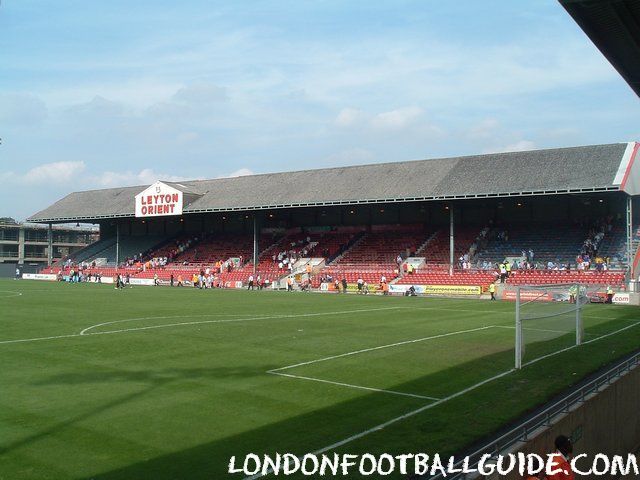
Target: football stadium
[474,305]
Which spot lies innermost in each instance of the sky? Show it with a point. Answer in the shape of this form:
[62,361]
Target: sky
[114,93]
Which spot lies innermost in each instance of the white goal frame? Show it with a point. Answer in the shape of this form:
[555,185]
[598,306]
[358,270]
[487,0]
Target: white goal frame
[580,301]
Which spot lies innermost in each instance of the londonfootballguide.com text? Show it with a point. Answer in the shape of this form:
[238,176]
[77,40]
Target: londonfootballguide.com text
[423,464]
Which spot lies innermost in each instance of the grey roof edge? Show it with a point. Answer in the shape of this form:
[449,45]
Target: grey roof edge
[64,212]
[435,198]
[364,165]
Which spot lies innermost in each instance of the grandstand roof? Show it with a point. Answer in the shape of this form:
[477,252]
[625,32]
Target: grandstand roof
[614,27]
[555,171]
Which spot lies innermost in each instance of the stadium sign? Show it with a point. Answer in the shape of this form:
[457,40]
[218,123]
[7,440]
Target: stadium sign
[622,298]
[39,276]
[159,200]
[438,289]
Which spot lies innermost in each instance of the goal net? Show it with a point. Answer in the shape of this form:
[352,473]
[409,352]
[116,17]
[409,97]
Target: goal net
[548,319]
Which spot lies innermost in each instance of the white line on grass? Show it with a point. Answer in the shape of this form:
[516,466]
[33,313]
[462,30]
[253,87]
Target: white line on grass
[615,332]
[249,319]
[15,294]
[381,426]
[417,411]
[37,339]
[544,330]
[360,387]
[356,352]
[86,332]
[137,319]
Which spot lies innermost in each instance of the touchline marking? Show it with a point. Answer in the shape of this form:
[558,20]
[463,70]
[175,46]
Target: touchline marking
[360,387]
[356,352]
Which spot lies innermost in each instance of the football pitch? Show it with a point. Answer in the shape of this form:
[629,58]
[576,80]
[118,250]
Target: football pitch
[161,383]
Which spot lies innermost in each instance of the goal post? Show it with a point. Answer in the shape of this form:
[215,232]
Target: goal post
[548,319]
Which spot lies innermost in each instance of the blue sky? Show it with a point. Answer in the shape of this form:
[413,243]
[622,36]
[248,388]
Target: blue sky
[101,94]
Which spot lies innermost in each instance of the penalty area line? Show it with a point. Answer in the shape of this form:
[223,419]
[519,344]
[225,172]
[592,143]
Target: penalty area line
[380,347]
[417,411]
[388,423]
[359,387]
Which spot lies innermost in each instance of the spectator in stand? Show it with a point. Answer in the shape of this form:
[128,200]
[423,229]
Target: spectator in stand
[503,272]
[562,459]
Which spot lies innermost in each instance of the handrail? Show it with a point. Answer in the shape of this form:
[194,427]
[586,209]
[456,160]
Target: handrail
[544,418]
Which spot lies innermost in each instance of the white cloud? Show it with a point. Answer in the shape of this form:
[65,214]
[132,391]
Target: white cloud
[56,172]
[520,146]
[241,172]
[349,117]
[396,119]
[144,177]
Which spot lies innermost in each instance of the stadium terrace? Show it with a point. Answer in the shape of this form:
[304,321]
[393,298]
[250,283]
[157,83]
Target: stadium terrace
[441,226]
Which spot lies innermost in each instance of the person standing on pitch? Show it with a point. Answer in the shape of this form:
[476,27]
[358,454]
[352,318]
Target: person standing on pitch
[492,290]
[609,294]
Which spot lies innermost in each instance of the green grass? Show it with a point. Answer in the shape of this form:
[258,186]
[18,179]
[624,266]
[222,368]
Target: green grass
[134,401]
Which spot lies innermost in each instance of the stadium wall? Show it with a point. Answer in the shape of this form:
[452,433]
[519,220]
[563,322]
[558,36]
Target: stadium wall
[8,270]
[607,422]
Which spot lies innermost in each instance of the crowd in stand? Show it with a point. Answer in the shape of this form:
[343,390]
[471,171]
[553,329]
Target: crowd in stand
[211,276]
[285,259]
